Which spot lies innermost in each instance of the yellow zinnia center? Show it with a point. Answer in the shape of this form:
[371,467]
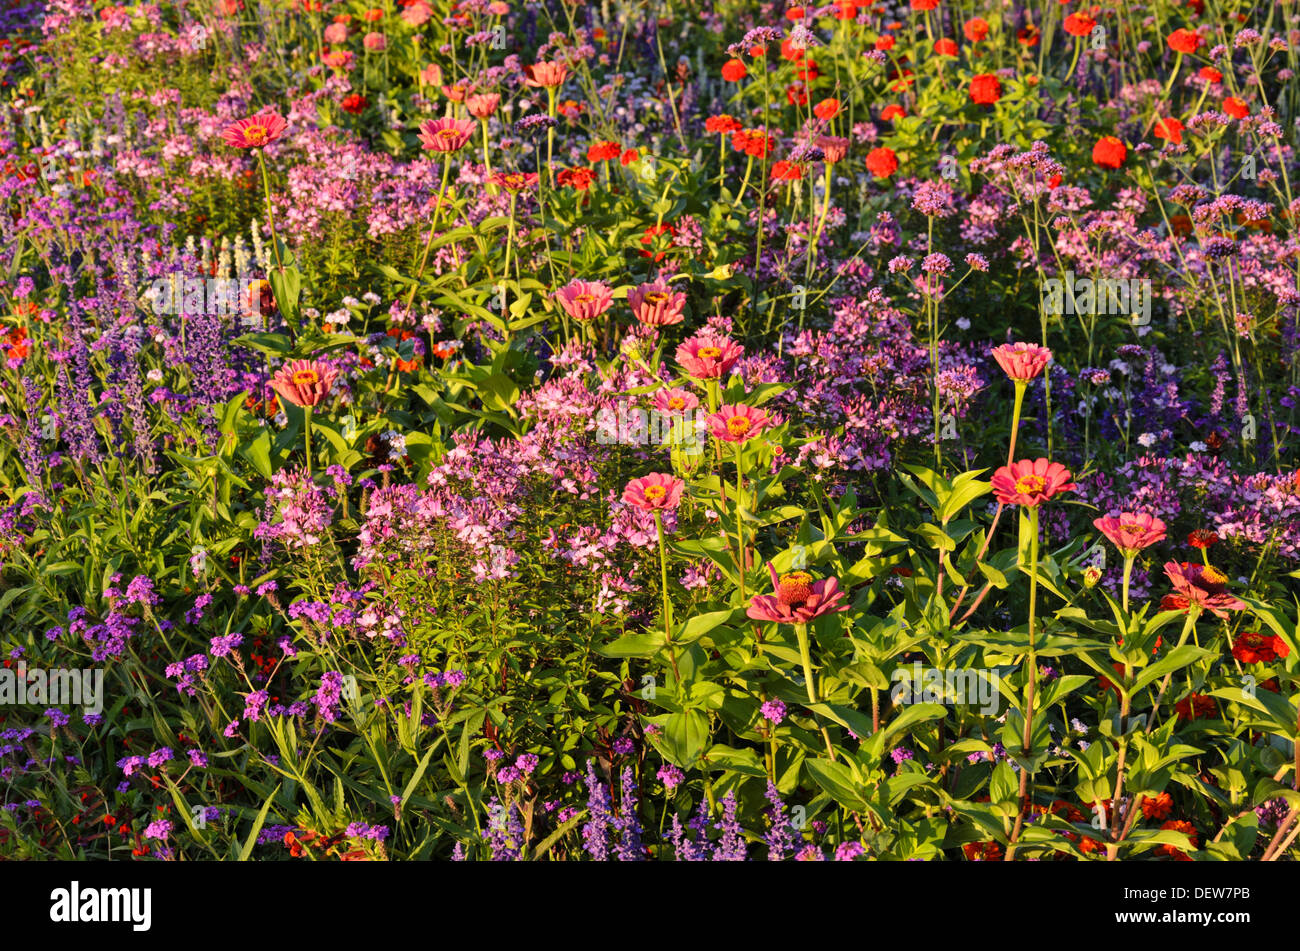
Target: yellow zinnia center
[304,377]
[1029,484]
[654,492]
[708,353]
[738,425]
[1213,575]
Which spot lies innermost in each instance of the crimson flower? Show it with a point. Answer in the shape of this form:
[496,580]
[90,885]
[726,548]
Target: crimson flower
[798,599]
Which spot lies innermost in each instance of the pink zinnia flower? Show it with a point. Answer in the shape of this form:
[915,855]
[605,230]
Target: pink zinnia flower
[1031,483]
[255,132]
[585,300]
[375,42]
[798,598]
[336,33]
[655,491]
[1204,585]
[708,357]
[446,135]
[417,14]
[514,181]
[833,147]
[546,75]
[1022,361]
[736,422]
[483,104]
[1131,531]
[668,401]
[656,304]
[304,382]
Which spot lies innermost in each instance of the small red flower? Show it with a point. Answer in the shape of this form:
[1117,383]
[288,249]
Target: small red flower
[355,104]
[1109,152]
[1235,108]
[1170,129]
[1184,41]
[734,70]
[985,89]
[882,162]
[827,109]
[1079,24]
[975,29]
[1258,648]
[945,47]
[891,112]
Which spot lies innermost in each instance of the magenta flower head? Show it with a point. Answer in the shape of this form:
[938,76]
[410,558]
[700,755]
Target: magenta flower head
[304,382]
[1130,532]
[255,132]
[446,135]
[798,599]
[655,491]
[708,356]
[1022,361]
[736,422]
[1203,585]
[656,304]
[1031,483]
[585,300]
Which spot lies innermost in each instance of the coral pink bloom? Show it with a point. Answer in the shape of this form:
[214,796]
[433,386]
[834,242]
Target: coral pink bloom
[708,356]
[255,132]
[546,75]
[483,104]
[585,300]
[375,42]
[833,147]
[656,304]
[798,599]
[336,33]
[1031,483]
[431,75]
[304,382]
[1131,531]
[417,14]
[736,422]
[446,135]
[674,401]
[514,181]
[1203,585]
[655,491]
[1022,361]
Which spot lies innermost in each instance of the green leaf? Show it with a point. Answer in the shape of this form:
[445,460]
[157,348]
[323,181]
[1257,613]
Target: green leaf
[251,841]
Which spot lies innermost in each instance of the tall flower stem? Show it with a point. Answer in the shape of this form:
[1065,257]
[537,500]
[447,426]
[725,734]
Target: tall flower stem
[805,655]
[1128,571]
[433,227]
[270,216]
[668,604]
[740,522]
[1031,683]
[307,411]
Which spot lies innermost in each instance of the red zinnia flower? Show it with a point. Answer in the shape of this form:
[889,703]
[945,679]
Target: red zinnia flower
[798,599]
[603,151]
[1210,74]
[1202,538]
[1079,24]
[975,29]
[945,47]
[1235,108]
[722,124]
[1178,825]
[892,112]
[1170,129]
[882,162]
[1184,41]
[354,104]
[1257,648]
[579,179]
[1195,706]
[734,70]
[1158,807]
[1022,361]
[784,171]
[1109,152]
[827,109]
[985,89]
